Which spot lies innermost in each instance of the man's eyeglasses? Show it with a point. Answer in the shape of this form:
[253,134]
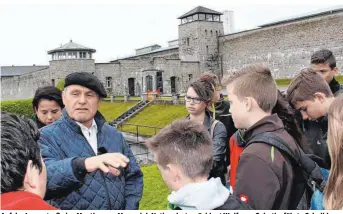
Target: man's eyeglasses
[195,100]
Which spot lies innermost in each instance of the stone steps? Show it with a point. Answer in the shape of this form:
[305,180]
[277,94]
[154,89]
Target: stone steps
[129,113]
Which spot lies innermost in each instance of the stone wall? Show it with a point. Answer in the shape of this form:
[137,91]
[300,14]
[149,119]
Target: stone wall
[285,47]
[24,86]
[61,68]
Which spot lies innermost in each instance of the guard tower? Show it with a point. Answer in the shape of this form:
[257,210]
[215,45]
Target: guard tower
[69,58]
[198,37]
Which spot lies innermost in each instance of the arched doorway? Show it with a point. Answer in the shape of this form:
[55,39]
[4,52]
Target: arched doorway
[131,86]
[148,80]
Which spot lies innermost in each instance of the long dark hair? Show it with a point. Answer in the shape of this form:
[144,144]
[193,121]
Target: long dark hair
[290,119]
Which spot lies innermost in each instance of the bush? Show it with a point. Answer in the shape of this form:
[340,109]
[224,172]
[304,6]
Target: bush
[60,84]
[20,107]
[339,78]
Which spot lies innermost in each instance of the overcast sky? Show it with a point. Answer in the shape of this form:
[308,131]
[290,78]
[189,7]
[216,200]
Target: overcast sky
[28,31]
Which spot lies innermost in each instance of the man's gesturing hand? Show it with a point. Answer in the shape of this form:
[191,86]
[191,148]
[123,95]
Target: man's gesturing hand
[109,162]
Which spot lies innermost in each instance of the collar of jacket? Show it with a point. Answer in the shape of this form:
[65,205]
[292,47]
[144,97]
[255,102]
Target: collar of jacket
[334,85]
[267,124]
[207,121]
[99,120]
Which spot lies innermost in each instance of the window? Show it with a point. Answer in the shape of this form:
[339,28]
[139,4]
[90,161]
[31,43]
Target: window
[189,18]
[108,82]
[82,55]
[195,17]
[209,17]
[211,33]
[216,18]
[190,77]
[187,41]
[206,49]
[216,33]
[205,32]
[201,16]
[53,82]
[183,21]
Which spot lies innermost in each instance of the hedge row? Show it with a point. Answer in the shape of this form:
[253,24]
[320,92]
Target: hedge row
[20,107]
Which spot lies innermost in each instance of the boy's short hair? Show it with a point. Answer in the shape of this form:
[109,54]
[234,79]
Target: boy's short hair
[185,143]
[324,56]
[305,85]
[254,81]
[19,138]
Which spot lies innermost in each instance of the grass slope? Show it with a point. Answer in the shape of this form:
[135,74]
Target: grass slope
[113,110]
[157,115]
[155,191]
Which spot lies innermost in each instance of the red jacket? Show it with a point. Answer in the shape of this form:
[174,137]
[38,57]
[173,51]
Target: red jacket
[22,200]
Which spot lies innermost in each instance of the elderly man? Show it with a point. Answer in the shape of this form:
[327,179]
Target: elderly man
[89,164]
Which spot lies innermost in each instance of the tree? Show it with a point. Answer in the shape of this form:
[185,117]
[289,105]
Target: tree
[60,84]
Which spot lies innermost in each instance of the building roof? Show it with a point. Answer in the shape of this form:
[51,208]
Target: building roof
[71,46]
[7,71]
[154,51]
[200,9]
[320,12]
[150,46]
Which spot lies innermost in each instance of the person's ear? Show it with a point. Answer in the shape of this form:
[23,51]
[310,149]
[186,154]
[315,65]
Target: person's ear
[30,176]
[173,172]
[320,96]
[63,96]
[335,70]
[248,103]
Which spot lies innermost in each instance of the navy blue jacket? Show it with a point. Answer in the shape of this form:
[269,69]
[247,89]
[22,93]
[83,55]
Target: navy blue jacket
[61,143]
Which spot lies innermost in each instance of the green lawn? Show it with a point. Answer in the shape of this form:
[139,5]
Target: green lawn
[156,115]
[113,110]
[155,191]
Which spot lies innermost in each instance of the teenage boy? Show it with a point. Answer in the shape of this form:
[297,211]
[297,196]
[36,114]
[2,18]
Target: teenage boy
[264,176]
[183,153]
[309,93]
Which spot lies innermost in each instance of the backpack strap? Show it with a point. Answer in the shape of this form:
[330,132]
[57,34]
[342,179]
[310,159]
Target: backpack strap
[214,123]
[305,161]
[277,142]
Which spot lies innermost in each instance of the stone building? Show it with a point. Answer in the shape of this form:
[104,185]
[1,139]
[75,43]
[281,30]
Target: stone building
[286,45]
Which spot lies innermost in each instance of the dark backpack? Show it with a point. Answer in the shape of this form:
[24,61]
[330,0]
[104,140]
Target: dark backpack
[307,173]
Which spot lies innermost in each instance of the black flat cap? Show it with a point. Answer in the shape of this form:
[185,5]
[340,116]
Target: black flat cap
[87,80]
